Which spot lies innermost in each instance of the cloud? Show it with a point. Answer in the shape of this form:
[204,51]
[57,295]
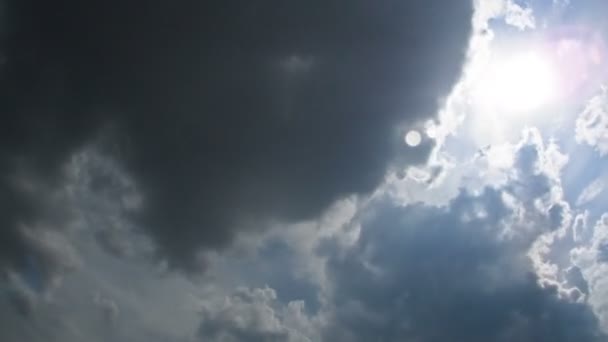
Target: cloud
[35,250]
[457,272]
[576,262]
[255,136]
[249,315]
[108,307]
[592,123]
[513,14]
[381,270]
[90,195]
[224,114]
[590,192]
[518,16]
[591,256]
[427,274]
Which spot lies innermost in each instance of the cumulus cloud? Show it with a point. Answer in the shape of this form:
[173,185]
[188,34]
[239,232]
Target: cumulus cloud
[518,16]
[591,256]
[390,272]
[36,252]
[34,216]
[459,271]
[90,195]
[268,138]
[439,279]
[250,315]
[576,262]
[225,114]
[470,269]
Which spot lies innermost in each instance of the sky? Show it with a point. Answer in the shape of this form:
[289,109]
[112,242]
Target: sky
[336,170]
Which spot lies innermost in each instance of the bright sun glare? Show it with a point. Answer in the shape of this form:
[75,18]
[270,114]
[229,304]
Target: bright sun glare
[517,84]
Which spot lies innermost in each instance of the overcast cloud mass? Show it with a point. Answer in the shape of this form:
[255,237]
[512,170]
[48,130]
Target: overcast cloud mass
[233,171]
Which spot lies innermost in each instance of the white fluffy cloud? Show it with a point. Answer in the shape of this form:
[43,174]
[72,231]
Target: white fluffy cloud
[576,262]
[415,267]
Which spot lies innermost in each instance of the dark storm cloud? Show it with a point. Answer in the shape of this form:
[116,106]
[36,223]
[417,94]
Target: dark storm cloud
[223,112]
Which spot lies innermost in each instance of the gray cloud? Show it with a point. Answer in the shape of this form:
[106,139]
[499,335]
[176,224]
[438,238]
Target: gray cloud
[250,315]
[418,272]
[224,113]
[108,307]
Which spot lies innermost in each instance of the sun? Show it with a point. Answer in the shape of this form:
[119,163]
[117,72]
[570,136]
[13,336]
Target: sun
[517,84]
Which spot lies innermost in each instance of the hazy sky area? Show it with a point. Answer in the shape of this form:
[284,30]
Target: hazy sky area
[320,170]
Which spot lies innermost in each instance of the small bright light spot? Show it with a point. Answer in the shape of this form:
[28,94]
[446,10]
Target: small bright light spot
[431,130]
[413,138]
[518,84]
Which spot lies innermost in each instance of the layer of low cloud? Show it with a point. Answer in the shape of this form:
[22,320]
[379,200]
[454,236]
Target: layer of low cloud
[224,114]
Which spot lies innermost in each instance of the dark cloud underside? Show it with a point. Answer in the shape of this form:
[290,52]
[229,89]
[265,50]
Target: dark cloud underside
[224,112]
